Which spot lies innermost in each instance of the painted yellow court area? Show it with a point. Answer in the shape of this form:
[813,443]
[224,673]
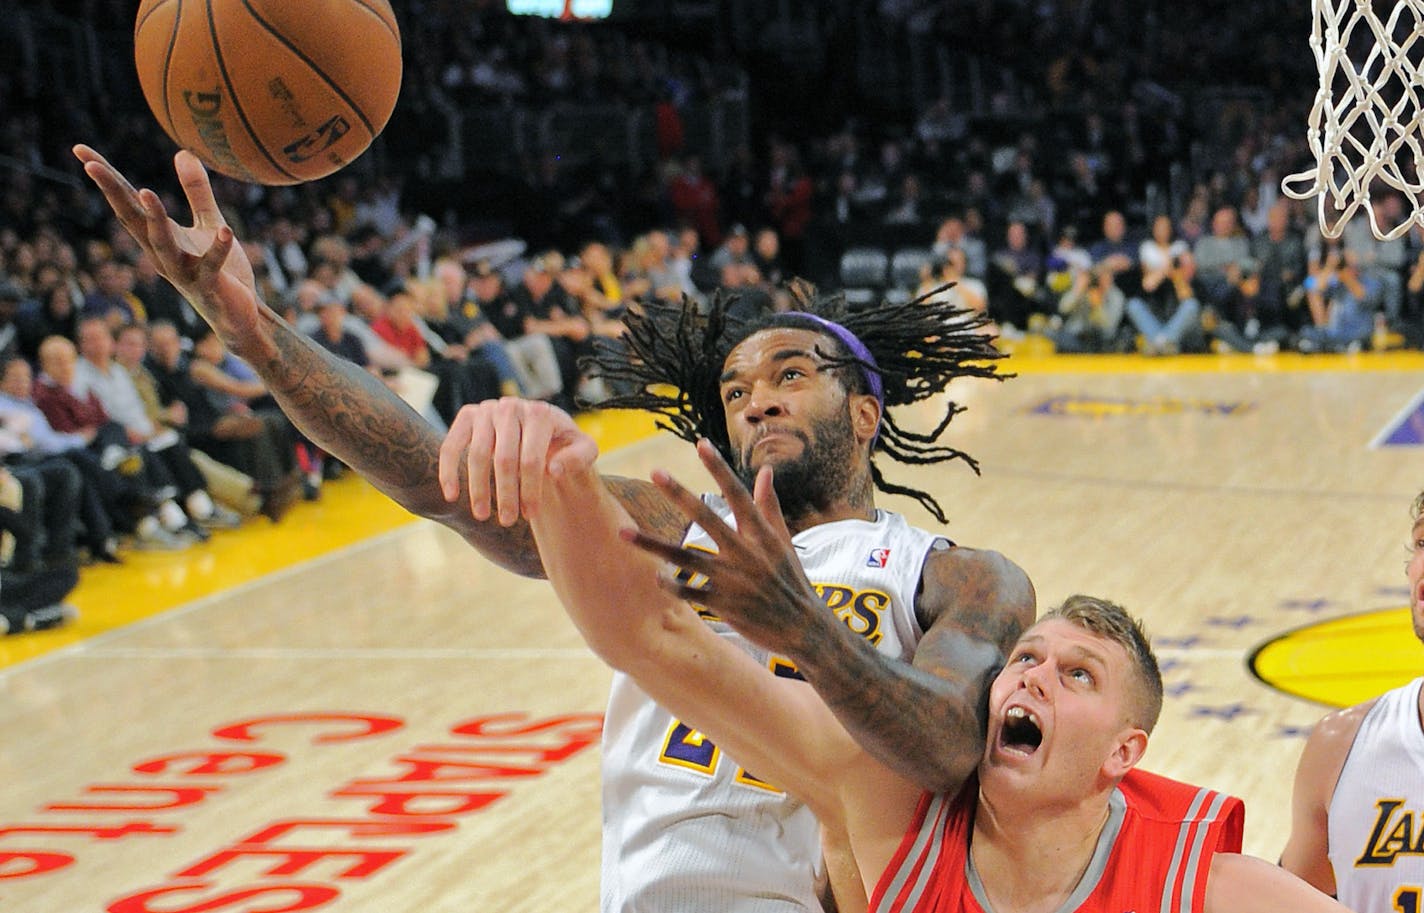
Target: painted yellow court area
[1342,661]
[349,511]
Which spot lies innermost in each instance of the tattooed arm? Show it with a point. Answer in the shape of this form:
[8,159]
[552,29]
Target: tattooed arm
[925,721]
[341,407]
[346,411]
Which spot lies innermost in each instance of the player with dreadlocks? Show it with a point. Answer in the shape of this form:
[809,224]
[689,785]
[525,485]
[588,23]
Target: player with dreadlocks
[900,354]
[804,392]
[685,828]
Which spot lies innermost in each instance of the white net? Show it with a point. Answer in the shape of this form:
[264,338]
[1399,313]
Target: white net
[1365,125]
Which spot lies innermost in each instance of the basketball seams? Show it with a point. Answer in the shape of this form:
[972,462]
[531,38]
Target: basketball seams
[390,26]
[167,59]
[138,26]
[227,65]
[236,103]
[312,65]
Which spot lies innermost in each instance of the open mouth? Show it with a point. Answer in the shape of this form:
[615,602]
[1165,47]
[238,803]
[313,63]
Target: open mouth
[1020,732]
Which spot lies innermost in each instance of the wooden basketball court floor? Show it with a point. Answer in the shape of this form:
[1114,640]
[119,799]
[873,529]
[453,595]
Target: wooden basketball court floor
[352,711]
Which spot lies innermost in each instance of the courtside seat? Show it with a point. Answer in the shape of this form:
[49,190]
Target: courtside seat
[863,274]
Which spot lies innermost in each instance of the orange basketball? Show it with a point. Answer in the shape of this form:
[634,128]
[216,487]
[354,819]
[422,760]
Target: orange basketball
[270,91]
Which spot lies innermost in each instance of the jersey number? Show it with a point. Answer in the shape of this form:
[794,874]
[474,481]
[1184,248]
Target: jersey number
[1406,900]
[686,747]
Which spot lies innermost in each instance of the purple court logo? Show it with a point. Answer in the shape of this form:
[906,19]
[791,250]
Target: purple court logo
[1078,405]
[1406,428]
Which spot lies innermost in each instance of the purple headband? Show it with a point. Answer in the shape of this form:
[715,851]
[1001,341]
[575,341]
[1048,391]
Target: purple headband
[857,348]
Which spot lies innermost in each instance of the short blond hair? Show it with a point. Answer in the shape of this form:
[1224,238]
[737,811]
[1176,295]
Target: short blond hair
[1110,620]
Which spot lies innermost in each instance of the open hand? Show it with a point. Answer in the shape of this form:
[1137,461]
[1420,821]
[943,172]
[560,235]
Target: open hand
[754,581]
[508,445]
[202,260]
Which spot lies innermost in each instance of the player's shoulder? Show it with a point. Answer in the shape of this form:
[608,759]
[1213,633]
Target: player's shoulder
[985,566]
[1336,731]
[980,581]
[1323,758]
[1160,797]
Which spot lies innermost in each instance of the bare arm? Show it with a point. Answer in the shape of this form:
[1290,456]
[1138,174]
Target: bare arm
[352,414]
[774,726]
[927,721]
[1306,853]
[338,405]
[1245,884]
[779,728]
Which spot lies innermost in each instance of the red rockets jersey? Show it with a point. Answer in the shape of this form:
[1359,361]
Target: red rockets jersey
[1153,854]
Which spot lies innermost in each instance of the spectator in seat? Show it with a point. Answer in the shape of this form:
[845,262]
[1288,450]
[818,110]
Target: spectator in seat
[221,419]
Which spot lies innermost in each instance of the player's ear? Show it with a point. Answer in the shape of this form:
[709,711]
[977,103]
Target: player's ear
[1131,746]
[865,415]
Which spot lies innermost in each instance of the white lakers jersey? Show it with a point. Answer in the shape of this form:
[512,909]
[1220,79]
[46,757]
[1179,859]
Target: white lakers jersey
[685,828]
[1376,815]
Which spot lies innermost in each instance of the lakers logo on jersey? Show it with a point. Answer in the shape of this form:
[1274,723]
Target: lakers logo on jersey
[1395,833]
[861,610]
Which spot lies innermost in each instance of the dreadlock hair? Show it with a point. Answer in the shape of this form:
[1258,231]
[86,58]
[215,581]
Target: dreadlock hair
[671,356]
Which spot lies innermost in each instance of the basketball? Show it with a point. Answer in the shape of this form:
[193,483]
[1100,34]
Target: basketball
[270,91]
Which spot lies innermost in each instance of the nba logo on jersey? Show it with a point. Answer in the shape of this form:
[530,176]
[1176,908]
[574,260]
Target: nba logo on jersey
[879,557]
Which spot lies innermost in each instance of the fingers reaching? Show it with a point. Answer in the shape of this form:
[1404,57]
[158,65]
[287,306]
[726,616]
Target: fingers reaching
[744,508]
[198,189]
[119,193]
[477,461]
[505,461]
[211,265]
[769,505]
[695,510]
[159,233]
[690,559]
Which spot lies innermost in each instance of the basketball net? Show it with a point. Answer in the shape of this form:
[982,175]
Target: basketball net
[1366,122]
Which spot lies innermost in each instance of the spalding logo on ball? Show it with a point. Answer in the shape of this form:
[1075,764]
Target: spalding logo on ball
[270,91]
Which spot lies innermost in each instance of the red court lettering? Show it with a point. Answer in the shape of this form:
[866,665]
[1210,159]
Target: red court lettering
[31,863]
[366,726]
[168,797]
[94,831]
[426,803]
[293,861]
[291,897]
[356,827]
[207,764]
[421,770]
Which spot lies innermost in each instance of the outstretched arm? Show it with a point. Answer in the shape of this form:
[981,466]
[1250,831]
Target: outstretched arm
[925,721]
[341,407]
[774,727]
